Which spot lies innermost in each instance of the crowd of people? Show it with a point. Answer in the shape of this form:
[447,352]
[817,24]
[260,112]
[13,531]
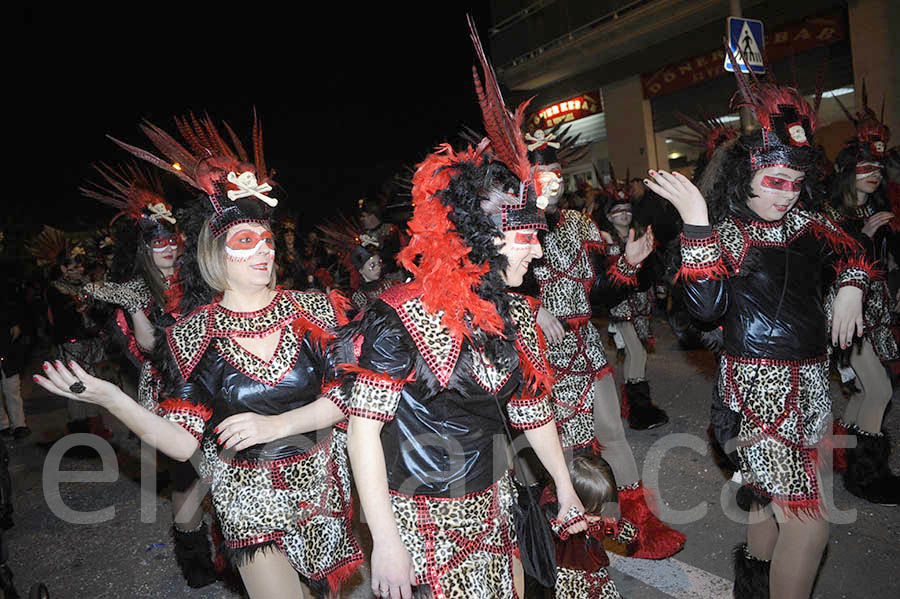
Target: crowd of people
[377,361]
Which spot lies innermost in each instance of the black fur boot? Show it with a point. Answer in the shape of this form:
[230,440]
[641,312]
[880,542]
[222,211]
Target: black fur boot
[751,575]
[639,409]
[194,556]
[868,475]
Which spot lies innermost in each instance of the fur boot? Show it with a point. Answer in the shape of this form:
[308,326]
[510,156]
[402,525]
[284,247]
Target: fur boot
[751,575]
[868,475]
[639,409]
[194,556]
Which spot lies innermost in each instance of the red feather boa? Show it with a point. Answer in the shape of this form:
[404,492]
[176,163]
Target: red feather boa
[437,256]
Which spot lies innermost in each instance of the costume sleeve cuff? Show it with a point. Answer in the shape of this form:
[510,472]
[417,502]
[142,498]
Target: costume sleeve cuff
[190,416]
[624,532]
[528,413]
[856,271]
[623,273]
[701,258]
[374,396]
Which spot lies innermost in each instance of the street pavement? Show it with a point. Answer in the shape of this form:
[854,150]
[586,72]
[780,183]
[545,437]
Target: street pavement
[127,551]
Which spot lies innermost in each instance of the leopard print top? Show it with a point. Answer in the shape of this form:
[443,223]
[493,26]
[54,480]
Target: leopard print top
[566,273]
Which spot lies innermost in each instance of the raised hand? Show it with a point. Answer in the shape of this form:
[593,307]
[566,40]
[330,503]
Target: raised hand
[637,250]
[683,194]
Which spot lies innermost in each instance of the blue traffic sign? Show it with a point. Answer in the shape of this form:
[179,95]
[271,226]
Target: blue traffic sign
[745,36]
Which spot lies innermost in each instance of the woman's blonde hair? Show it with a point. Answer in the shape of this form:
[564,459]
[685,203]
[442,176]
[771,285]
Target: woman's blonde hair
[211,258]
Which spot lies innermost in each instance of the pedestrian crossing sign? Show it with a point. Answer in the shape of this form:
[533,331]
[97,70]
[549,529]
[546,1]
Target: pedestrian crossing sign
[745,36]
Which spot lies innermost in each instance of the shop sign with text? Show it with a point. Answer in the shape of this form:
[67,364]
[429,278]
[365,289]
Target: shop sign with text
[790,39]
[565,112]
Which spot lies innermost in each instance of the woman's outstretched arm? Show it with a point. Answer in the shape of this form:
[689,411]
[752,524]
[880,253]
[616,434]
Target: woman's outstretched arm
[164,435]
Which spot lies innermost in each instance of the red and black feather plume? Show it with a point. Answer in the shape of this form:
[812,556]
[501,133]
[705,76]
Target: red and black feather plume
[504,128]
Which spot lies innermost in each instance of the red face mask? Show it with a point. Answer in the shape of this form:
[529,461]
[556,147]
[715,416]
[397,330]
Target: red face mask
[525,238]
[245,243]
[780,184]
[864,169]
[162,244]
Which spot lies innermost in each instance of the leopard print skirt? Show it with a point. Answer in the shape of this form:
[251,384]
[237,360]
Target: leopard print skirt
[637,308]
[462,547]
[300,504]
[878,319]
[576,362]
[784,408]
[578,584]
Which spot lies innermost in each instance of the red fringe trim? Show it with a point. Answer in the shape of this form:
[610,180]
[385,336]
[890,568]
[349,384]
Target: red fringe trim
[597,447]
[691,275]
[619,278]
[133,347]
[179,404]
[341,304]
[859,261]
[336,578]
[810,508]
[835,237]
[173,294]
[379,376]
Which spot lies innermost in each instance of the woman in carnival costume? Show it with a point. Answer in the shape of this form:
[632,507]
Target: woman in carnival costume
[859,204]
[631,316]
[244,381]
[361,258]
[436,360]
[573,271]
[149,243]
[758,262]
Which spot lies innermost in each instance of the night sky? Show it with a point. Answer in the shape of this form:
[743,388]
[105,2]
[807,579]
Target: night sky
[346,97]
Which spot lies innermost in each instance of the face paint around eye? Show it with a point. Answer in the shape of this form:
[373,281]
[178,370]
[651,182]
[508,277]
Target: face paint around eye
[164,244]
[864,169]
[781,184]
[246,243]
[525,238]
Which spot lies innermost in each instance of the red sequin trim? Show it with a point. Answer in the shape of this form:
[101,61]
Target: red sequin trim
[133,348]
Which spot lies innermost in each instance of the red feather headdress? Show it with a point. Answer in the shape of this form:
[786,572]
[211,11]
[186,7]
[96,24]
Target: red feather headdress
[705,133]
[206,161]
[134,192]
[872,135]
[507,143]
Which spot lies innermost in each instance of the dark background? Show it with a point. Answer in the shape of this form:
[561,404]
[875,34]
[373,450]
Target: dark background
[346,96]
